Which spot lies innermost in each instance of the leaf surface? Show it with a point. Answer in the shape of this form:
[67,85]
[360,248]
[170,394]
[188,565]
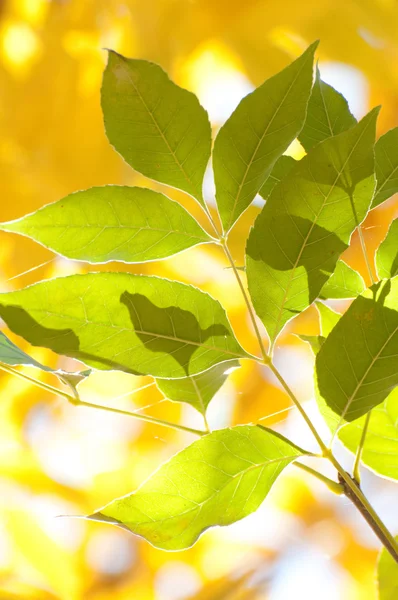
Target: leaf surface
[387,253]
[386,158]
[357,366]
[112,223]
[197,390]
[218,480]
[327,115]
[256,135]
[282,167]
[345,282]
[307,223]
[160,129]
[380,450]
[328,318]
[139,324]
[387,576]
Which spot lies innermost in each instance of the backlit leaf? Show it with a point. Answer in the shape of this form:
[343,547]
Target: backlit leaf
[256,135]
[344,283]
[218,480]
[387,253]
[160,129]
[380,451]
[129,224]
[386,159]
[387,576]
[133,323]
[328,318]
[282,167]
[315,341]
[357,366]
[307,223]
[197,390]
[327,114]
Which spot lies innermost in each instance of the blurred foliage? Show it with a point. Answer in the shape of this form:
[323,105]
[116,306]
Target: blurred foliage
[56,459]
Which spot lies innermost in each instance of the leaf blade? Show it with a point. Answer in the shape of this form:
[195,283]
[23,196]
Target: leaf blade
[387,576]
[160,129]
[112,223]
[233,470]
[245,144]
[344,282]
[303,228]
[357,366]
[387,253]
[386,167]
[134,323]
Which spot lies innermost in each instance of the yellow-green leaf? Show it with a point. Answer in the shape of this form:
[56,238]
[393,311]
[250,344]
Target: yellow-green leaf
[387,253]
[345,282]
[387,576]
[386,158]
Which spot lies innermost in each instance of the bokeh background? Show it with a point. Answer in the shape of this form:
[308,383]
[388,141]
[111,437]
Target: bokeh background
[56,459]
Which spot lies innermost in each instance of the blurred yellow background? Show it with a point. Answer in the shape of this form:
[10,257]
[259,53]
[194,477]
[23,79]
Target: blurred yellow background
[57,459]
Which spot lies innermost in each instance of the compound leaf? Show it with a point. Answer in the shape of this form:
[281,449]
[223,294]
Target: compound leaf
[218,480]
[197,390]
[357,366]
[386,159]
[345,282]
[160,129]
[139,324]
[103,224]
[307,223]
[387,253]
[256,135]
[327,114]
[380,450]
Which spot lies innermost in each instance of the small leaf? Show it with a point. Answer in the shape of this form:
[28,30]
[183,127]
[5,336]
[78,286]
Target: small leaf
[380,451]
[387,576]
[160,129]
[282,167]
[386,158]
[103,224]
[256,135]
[344,283]
[133,323]
[328,318]
[357,366]
[218,480]
[315,341]
[327,114]
[387,253]
[307,223]
[197,390]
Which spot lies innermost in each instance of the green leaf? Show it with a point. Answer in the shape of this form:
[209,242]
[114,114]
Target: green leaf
[139,324]
[357,366]
[257,134]
[160,129]
[307,223]
[380,451]
[282,167]
[386,158]
[103,224]
[328,318]
[344,283]
[197,390]
[315,341]
[387,576]
[218,480]
[387,253]
[327,114]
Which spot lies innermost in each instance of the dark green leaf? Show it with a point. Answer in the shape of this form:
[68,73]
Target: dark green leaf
[387,576]
[307,223]
[386,157]
[218,480]
[387,253]
[160,129]
[282,167]
[197,390]
[327,115]
[256,135]
[129,224]
[344,283]
[357,366]
[133,323]
[380,451]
